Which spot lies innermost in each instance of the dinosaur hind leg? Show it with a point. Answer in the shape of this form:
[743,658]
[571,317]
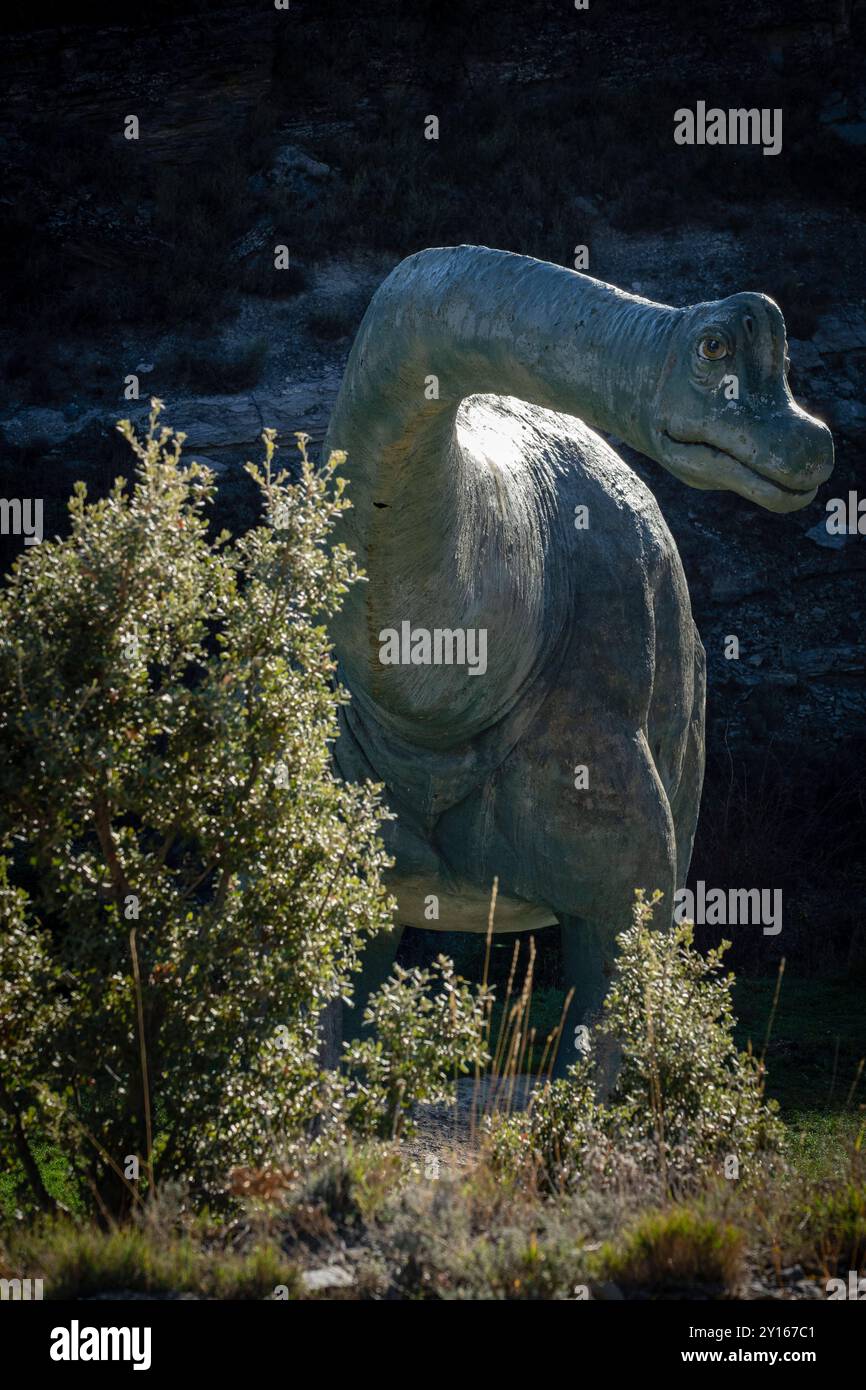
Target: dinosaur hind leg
[377,963]
[638,851]
[587,963]
[586,967]
[338,1023]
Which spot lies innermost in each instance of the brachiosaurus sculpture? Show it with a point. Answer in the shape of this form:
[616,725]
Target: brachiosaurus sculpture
[469,411]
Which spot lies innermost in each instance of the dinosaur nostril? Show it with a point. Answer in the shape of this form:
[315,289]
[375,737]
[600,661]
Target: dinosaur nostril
[749,325]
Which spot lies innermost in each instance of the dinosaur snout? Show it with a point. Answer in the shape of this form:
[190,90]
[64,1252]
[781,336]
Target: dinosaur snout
[805,451]
[792,451]
[776,455]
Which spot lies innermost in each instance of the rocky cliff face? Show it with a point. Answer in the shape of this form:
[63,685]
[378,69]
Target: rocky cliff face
[154,258]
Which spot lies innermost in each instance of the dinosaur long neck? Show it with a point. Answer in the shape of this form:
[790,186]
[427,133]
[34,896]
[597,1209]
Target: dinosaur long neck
[467,320]
[445,325]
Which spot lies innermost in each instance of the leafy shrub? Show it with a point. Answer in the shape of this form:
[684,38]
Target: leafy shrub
[425,1037]
[200,884]
[684,1100]
[33,1010]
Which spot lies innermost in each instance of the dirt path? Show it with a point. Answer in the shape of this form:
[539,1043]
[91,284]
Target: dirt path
[448,1135]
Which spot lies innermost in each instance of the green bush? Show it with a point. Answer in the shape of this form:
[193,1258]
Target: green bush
[685,1103]
[429,1029]
[199,882]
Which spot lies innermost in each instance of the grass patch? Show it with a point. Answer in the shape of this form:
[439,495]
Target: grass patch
[677,1249]
[76,1261]
[836,1225]
[465,1235]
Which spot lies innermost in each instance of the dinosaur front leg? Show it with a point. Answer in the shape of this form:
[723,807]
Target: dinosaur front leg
[587,964]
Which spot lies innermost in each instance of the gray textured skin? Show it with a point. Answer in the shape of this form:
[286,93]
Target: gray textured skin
[463,516]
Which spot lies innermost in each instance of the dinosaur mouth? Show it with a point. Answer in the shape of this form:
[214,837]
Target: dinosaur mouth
[716,453]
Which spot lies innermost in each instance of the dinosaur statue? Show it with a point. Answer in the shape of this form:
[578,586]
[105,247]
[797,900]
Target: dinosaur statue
[485,501]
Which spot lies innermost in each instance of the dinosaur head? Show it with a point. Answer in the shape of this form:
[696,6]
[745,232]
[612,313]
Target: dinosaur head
[724,417]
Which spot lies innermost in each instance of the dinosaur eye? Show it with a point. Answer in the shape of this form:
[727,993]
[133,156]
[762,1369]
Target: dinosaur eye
[712,348]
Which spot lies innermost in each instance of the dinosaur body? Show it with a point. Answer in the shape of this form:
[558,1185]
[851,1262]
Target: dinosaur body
[485,500]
